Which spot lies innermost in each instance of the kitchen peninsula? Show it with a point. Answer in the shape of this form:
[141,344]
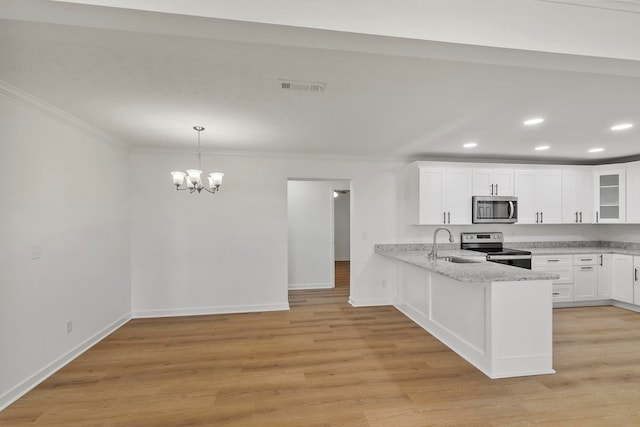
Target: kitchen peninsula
[497,317]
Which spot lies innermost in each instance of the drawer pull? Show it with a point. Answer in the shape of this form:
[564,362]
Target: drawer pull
[586,268]
[553,260]
[556,294]
[586,259]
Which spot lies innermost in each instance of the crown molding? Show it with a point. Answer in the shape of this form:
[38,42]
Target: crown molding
[138,149]
[21,97]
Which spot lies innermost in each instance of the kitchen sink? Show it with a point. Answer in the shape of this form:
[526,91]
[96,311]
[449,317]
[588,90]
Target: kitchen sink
[457,260]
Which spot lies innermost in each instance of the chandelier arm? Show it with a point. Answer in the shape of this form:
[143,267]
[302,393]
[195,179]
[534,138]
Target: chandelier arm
[210,190]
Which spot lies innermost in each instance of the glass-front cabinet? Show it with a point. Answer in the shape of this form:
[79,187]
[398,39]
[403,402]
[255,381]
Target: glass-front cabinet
[609,196]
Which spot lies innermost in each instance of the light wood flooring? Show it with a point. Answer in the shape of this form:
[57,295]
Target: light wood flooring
[325,363]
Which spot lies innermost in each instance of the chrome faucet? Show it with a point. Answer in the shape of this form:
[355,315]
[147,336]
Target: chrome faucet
[434,249]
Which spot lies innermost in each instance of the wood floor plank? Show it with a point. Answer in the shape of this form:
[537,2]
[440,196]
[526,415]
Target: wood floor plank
[325,363]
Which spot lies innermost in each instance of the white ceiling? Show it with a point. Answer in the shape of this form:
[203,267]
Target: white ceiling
[146,77]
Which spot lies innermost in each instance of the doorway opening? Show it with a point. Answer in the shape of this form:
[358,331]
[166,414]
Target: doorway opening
[318,234]
[342,237]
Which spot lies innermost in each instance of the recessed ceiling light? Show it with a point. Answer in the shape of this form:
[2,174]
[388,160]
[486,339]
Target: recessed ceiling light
[622,126]
[470,144]
[541,147]
[596,150]
[534,121]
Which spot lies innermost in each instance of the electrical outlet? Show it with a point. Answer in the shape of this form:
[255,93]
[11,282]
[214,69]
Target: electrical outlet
[69,326]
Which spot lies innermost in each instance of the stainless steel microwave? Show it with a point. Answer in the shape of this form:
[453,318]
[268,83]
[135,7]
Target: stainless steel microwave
[494,209]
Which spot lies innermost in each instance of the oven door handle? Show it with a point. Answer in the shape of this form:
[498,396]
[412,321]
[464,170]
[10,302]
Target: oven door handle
[507,257]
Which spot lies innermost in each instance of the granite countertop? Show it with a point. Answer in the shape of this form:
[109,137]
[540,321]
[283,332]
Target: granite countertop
[577,247]
[477,272]
[484,271]
[581,250]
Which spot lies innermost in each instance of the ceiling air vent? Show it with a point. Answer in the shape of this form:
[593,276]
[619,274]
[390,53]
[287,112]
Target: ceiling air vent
[305,86]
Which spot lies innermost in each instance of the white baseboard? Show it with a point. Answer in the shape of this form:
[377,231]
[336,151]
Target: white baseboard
[200,311]
[25,386]
[296,286]
[368,302]
[626,306]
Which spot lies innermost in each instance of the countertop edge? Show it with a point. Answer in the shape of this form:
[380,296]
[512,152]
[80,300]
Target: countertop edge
[479,272]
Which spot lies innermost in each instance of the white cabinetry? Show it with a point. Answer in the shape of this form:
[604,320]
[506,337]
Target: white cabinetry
[609,196]
[636,280]
[622,278]
[562,265]
[439,195]
[577,196]
[585,277]
[633,195]
[493,182]
[539,195]
[605,275]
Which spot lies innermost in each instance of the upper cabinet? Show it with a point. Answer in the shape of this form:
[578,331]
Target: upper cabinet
[441,192]
[439,195]
[633,195]
[493,182]
[539,193]
[609,196]
[577,196]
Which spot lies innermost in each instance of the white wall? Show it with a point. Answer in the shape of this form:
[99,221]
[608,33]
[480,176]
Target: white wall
[310,238]
[617,232]
[341,221]
[65,190]
[209,254]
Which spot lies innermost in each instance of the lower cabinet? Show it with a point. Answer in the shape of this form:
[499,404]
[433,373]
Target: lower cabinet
[592,277]
[622,278]
[585,277]
[562,293]
[562,265]
[605,276]
[585,283]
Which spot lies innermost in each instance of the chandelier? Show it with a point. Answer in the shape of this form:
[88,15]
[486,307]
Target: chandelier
[190,180]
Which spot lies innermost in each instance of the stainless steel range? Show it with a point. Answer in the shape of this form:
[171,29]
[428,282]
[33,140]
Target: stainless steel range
[491,244]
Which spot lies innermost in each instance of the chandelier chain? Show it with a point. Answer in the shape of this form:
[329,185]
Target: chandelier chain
[199,155]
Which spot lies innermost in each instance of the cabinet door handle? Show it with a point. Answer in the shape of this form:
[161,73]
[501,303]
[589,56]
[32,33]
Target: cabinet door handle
[496,189]
[635,274]
[449,217]
[597,216]
[492,190]
[576,216]
[541,217]
[580,216]
[444,217]
[537,217]
[601,259]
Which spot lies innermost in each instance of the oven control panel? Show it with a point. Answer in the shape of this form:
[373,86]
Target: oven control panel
[495,237]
